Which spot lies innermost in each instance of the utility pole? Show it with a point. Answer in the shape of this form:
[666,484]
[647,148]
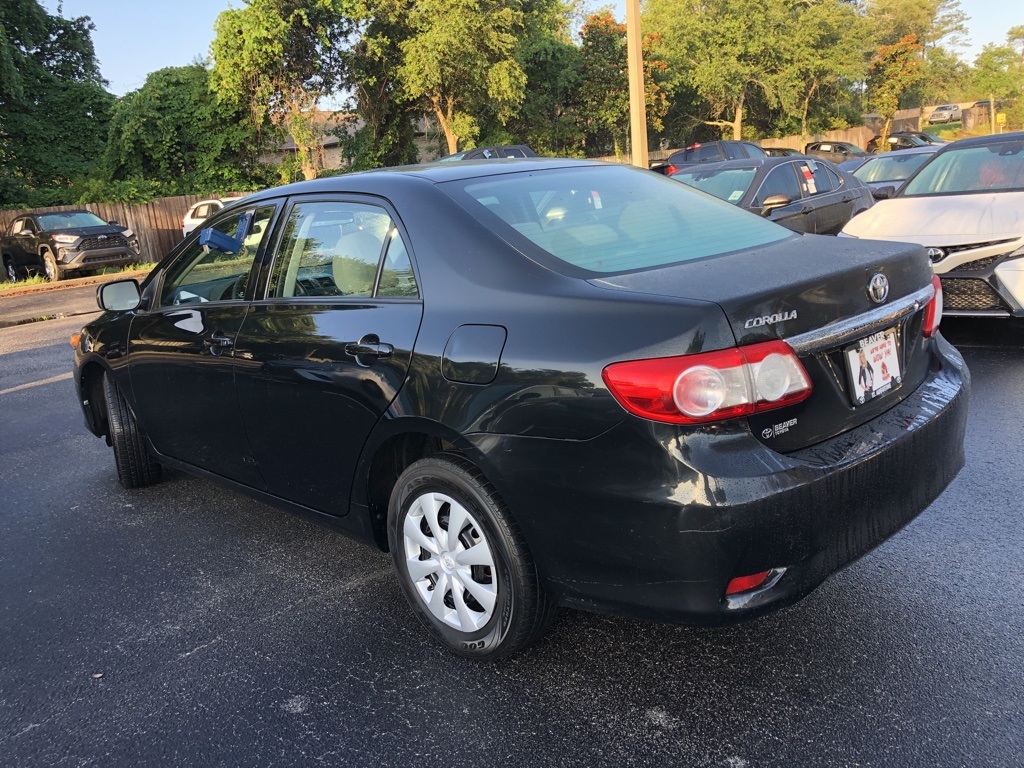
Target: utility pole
[637,105]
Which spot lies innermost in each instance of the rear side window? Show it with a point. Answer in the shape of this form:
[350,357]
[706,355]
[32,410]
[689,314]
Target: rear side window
[334,248]
[754,151]
[610,219]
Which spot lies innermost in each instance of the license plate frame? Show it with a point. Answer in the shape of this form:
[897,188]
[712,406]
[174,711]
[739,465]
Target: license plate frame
[879,371]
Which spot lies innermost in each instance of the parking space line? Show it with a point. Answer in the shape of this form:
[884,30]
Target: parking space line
[41,382]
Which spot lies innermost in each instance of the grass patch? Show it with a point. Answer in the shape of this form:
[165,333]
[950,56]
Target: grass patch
[105,271]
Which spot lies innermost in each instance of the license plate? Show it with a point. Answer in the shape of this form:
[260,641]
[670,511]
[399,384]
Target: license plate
[873,365]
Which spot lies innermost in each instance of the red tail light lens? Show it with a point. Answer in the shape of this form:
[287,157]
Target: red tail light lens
[670,169]
[933,310]
[711,386]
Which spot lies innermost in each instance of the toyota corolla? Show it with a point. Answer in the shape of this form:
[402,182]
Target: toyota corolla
[541,384]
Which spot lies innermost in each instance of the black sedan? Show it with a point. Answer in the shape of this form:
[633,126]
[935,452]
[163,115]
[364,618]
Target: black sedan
[805,194]
[550,384]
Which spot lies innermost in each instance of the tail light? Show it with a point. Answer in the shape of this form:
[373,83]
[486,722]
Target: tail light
[711,386]
[933,310]
[670,169]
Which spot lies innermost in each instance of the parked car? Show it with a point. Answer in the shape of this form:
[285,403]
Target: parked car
[897,141]
[782,152]
[966,206]
[891,169]
[490,153]
[708,152]
[927,138]
[834,151]
[63,243]
[945,113]
[802,193]
[554,383]
[203,210]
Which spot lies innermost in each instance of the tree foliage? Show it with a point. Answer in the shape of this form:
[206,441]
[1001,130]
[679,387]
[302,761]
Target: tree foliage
[279,58]
[175,131]
[461,59]
[894,68]
[54,108]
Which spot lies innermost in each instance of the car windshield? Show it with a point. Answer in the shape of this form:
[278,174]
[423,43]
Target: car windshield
[971,169]
[610,219]
[70,220]
[729,184]
[892,166]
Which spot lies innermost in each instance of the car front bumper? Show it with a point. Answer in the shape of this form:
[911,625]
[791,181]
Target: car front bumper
[70,260]
[651,521]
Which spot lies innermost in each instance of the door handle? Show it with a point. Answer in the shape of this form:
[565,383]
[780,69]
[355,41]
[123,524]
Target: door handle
[369,349]
[216,342]
[806,210]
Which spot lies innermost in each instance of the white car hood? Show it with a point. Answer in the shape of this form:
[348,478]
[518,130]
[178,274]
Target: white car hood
[944,220]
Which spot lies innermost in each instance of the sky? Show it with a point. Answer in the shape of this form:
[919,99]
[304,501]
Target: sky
[136,37]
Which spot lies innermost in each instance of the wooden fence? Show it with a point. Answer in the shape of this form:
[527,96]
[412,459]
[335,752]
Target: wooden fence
[156,224]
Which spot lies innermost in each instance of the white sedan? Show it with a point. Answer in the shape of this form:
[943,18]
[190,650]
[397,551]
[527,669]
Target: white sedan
[966,206]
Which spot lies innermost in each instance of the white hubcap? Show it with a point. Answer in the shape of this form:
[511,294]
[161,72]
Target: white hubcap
[450,562]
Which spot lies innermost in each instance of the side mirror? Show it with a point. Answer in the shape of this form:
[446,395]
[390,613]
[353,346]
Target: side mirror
[884,193]
[113,224]
[773,202]
[119,296]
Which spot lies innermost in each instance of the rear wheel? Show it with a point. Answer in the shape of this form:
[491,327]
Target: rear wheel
[10,272]
[135,467]
[462,561]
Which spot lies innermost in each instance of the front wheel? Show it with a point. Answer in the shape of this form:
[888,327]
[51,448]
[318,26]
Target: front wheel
[135,467]
[462,562]
[50,268]
[10,271]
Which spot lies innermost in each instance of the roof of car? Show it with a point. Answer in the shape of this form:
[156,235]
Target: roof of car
[982,141]
[750,162]
[370,181]
[925,150]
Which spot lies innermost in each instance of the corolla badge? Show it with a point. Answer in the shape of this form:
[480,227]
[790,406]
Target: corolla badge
[778,317]
[878,288]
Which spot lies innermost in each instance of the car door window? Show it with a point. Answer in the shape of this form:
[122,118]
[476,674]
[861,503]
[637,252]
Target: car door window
[514,152]
[396,277]
[834,178]
[815,180]
[330,248]
[754,151]
[779,181]
[202,273]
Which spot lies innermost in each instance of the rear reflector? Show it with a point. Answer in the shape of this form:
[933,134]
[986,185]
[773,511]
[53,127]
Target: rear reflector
[933,310]
[711,386]
[746,583]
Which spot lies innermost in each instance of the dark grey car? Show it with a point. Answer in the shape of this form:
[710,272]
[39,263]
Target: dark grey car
[805,194]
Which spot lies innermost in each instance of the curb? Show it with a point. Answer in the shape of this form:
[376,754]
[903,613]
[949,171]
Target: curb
[77,282]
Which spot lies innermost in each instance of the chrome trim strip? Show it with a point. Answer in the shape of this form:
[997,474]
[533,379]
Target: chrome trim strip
[976,313]
[853,328]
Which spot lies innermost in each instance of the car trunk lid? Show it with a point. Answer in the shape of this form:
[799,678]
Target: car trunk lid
[814,293]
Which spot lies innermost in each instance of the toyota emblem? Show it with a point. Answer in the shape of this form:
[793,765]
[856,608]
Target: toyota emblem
[936,254]
[878,288]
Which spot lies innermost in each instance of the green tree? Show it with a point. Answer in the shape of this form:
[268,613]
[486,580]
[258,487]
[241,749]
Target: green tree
[894,68]
[604,87]
[997,74]
[725,50]
[54,108]
[460,60]
[279,58]
[176,132]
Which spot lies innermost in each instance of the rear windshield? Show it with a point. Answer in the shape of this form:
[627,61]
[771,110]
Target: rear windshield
[971,169]
[609,219]
[892,166]
[72,220]
[729,184]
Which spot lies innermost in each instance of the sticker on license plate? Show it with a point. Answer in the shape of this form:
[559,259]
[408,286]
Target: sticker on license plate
[873,365]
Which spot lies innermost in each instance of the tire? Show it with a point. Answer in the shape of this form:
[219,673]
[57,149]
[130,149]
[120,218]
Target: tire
[494,605]
[10,271]
[135,467]
[50,268]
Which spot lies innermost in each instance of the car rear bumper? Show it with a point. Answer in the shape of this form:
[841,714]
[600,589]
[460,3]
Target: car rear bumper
[652,522]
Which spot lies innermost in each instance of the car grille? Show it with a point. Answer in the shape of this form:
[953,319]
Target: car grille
[978,265]
[110,241]
[968,294]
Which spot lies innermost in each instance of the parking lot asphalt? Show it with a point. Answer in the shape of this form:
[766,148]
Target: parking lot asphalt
[185,624]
